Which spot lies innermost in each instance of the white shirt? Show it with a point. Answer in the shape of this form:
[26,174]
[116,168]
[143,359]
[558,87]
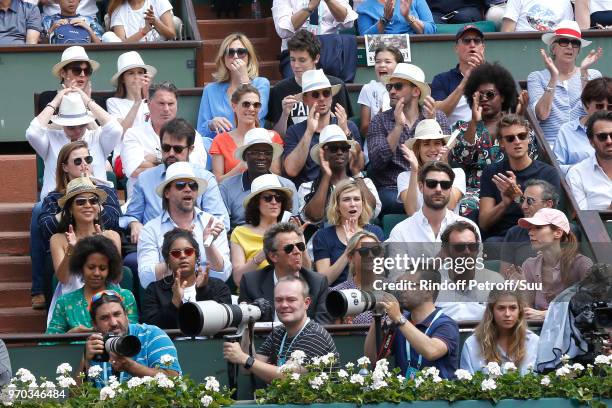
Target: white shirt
[374,95]
[119,108]
[538,15]
[462,112]
[599,5]
[189,294]
[142,140]
[85,8]
[48,142]
[282,10]
[590,185]
[133,20]
[403,181]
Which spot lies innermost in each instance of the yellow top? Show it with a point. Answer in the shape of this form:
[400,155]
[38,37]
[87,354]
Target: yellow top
[250,241]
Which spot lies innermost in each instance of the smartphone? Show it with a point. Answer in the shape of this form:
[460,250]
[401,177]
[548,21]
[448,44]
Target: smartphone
[449,16]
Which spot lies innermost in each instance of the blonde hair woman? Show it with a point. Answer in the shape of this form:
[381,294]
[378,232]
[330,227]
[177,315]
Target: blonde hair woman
[236,64]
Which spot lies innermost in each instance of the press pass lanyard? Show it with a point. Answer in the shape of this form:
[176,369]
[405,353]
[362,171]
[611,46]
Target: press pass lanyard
[411,371]
[281,361]
[105,367]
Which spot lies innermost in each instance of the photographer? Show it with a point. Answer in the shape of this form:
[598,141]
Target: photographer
[291,301]
[109,317]
[425,337]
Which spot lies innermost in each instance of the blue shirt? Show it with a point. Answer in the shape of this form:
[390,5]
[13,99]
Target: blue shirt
[154,342]
[370,11]
[215,103]
[145,204]
[16,20]
[443,328]
[572,145]
[445,83]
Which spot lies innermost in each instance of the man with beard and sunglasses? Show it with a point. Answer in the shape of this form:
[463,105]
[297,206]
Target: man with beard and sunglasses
[179,191]
[501,183]
[283,246]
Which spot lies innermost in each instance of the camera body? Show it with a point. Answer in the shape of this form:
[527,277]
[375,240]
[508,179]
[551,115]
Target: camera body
[123,345]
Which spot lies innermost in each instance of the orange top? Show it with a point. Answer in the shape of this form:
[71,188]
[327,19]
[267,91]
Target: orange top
[224,145]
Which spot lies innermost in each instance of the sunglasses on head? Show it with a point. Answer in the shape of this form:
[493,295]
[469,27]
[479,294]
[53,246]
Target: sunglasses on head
[471,247]
[289,247]
[269,197]
[333,148]
[603,136]
[239,52]
[79,160]
[444,184]
[247,105]
[77,70]
[180,185]
[177,253]
[177,148]
[487,95]
[398,86]
[325,92]
[81,201]
[511,138]
[106,293]
[375,250]
[468,40]
[564,42]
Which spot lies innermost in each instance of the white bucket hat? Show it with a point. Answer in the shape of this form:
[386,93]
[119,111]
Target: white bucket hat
[72,111]
[129,60]
[566,28]
[329,134]
[257,136]
[263,183]
[179,171]
[72,54]
[314,80]
[427,129]
[413,74]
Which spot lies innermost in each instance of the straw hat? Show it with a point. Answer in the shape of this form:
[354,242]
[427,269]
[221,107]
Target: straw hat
[546,216]
[257,136]
[129,60]
[72,111]
[413,74]
[179,171]
[568,29]
[78,186]
[329,134]
[263,183]
[427,129]
[315,79]
[72,54]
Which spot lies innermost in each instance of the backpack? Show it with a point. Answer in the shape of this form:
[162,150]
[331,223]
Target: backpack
[70,34]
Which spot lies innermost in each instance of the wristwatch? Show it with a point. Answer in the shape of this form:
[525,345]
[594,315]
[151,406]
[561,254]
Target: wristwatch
[402,321]
[249,363]
[384,20]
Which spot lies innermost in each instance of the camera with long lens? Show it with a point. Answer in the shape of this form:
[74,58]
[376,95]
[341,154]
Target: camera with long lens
[127,346]
[351,302]
[207,318]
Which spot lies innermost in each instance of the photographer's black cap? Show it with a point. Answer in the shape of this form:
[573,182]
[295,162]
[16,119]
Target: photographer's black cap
[468,27]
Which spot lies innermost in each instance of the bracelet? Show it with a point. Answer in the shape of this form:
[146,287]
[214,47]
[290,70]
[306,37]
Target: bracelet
[68,251]
[549,89]
[142,32]
[584,77]
[52,107]
[88,102]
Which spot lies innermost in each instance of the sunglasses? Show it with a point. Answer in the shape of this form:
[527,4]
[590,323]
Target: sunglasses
[530,200]
[564,42]
[78,70]
[289,247]
[316,94]
[177,148]
[471,247]
[177,253]
[254,153]
[247,105]
[105,293]
[238,52]
[398,86]
[180,185]
[80,202]
[269,197]
[603,136]
[333,148]
[468,40]
[603,106]
[444,184]
[511,138]
[79,160]
[487,95]
[375,251]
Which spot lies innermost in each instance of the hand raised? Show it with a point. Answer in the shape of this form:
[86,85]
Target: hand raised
[549,64]
[591,58]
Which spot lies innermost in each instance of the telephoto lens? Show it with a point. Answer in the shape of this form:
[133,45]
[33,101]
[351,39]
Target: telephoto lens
[207,318]
[351,302]
[127,346]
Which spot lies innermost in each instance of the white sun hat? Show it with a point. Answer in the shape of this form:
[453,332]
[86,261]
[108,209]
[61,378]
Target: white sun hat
[566,28]
[72,54]
[257,136]
[266,182]
[413,74]
[72,111]
[129,60]
[179,171]
[329,134]
[427,129]
[314,80]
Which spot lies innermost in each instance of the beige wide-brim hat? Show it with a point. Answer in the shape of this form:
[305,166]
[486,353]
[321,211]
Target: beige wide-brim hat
[72,111]
[129,60]
[412,74]
[568,29]
[266,182]
[329,134]
[78,186]
[314,80]
[180,171]
[257,136]
[72,54]
[427,129]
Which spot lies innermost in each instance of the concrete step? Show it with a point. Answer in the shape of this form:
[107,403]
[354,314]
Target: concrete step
[15,269]
[15,243]
[15,294]
[22,320]
[18,182]
[266,48]
[219,28]
[15,216]
[267,69]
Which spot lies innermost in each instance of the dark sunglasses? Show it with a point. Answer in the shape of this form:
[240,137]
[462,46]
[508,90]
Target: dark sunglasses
[397,86]
[530,200]
[520,136]
[603,136]
[564,42]
[444,184]
[289,247]
[79,160]
[177,253]
[78,70]
[471,247]
[468,40]
[177,148]
[180,185]
[254,153]
[487,95]
[239,52]
[374,250]
[316,94]
[333,148]
[603,106]
[269,197]
[247,105]
[82,201]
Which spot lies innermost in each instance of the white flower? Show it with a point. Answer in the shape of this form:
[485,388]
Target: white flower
[94,371]
[545,381]
[166,360]
[113,383]
[342,374]
[577,367]
[316,382]
[134,382]
[431,371]
[599,360]
[295,376]
[589,366]
[64,369]
[488,385]
[401,378]
[509,366]
[363,361]
[165,382]
[24,375]
[382,367]
[107,393]
[462,374]
[206,400]
[33,385]
[356,379]
[437,379]
[563,371]
[211,384]
[328,359]
[565,358]
[493,369]
[47,385]
[418,381]
[378,385]
[147,379]
[65,381]
[298,357]
[316,361]
[288,367]
[349,366]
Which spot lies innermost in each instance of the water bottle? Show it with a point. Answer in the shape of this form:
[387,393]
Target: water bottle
[255,10]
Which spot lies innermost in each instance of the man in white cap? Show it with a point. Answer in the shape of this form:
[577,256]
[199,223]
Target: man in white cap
[179,191]
[257,151]
[317,93]
[410,102]
[535,15]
